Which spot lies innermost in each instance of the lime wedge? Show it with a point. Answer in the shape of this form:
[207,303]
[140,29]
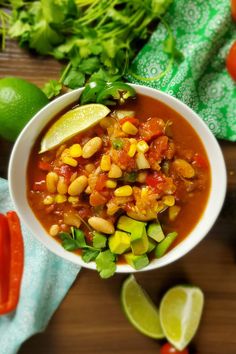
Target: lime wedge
[71,123]
[140,310]
[180,314]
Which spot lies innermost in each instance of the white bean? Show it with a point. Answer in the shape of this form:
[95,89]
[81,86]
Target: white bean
[51,182]
[91,147]
[78,186]
[101,225]
[54,229]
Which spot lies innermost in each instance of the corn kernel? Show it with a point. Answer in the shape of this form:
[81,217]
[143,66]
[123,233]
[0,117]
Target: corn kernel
[90,167]
[65,152]
[129,128]
[59,198]
[142,177]
[48,200]
[69,161]
[169,200]
[75,150]
[124,191]
[105,163]
[111,184]
[132,141]
[142,146]
[144,192]
[115,171]
[132,150]
[73,200]
[88,190]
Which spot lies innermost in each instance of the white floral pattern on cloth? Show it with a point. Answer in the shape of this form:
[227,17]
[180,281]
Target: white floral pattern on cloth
[46,280]
[204,33]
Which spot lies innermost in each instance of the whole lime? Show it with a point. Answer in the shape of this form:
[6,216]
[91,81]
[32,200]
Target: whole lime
[20,100]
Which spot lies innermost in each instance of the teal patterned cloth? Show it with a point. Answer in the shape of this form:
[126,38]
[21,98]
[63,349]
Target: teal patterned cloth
[46,280]
[204,32]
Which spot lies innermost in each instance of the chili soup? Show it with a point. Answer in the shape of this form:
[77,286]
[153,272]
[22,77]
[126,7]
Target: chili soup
[135,184]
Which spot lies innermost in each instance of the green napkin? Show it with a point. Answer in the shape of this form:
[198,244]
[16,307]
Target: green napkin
[204,33]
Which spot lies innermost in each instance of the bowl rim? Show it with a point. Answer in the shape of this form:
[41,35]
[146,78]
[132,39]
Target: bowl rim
[187,244]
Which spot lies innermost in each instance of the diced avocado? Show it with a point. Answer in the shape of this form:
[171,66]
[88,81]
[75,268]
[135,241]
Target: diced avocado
[139,240]
[137,229]
[137,262]
[151,245]
[129,225]
[155,232]
[119,242]
[163,246]
[99,240]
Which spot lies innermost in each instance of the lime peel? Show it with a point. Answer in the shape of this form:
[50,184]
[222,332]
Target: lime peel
[71,123]
[140,310]
[180,314]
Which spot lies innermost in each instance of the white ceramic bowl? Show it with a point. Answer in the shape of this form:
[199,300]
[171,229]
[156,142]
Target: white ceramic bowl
[24,143]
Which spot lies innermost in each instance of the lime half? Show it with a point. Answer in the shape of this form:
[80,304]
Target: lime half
[180,314]
[71,123]
[140,310]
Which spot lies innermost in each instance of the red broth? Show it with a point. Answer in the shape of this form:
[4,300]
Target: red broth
[190,194]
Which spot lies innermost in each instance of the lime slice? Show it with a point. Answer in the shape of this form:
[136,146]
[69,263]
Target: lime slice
[180,314]
[71,123]
[140,310]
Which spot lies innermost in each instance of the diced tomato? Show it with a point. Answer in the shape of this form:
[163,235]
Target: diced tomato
[153,179]
[101,182]
[39,186]
[233,8]
[231,61]
[168,348]
[124,159]
[200,161]
[152,128]
[44,166]
[132,120]
[97,199]
[65,171]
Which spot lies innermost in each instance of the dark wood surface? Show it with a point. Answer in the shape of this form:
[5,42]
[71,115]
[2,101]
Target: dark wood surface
[90,318]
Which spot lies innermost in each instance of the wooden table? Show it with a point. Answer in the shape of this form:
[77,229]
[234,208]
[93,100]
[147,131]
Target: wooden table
[90,319]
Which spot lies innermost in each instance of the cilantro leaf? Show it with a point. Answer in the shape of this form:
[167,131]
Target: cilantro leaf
[105,263]
[52,88]
[74,78]
[80,238]
[43,37]
[99,240]
[89,255]
[68,242]
[96,46]
[89,65]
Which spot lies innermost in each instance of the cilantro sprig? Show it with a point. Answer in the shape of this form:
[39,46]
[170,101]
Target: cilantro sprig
[97,39]
[105,259]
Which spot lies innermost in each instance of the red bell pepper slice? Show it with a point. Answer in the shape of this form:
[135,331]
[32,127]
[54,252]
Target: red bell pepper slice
[11,261]
[233,8]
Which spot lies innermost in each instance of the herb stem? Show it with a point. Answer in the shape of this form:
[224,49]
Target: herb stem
[65,72]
